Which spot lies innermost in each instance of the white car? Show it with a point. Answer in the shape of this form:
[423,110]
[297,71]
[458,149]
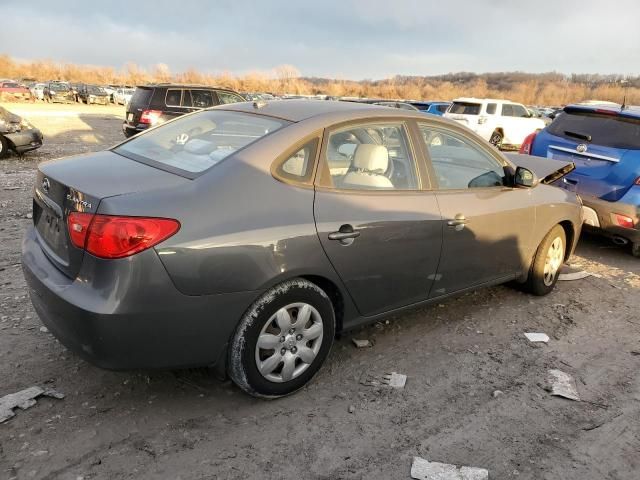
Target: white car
[37,90]
[502,123]
[122,95]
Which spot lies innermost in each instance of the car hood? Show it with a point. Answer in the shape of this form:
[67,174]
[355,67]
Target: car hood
[547,170]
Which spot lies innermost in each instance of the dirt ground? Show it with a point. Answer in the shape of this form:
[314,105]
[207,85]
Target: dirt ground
[457,354]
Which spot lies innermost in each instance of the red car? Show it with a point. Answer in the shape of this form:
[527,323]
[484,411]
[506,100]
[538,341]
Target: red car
[13,89]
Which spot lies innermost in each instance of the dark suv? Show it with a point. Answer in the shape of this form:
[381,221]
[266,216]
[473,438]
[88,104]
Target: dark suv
[154,104]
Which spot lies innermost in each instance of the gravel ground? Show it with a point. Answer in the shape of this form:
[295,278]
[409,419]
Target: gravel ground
[457,355]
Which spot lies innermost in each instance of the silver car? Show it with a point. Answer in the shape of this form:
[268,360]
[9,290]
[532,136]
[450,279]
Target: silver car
[245,236]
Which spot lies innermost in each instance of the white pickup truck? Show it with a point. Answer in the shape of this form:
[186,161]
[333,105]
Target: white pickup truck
[502,123]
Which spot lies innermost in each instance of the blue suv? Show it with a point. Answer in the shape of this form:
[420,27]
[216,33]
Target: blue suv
[604,143]
[435,108]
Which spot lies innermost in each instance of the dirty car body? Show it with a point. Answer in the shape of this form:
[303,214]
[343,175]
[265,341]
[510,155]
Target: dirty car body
[17,134]
[350,198]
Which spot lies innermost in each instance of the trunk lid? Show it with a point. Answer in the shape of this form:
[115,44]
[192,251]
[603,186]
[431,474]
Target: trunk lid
[78,184]
[139,102]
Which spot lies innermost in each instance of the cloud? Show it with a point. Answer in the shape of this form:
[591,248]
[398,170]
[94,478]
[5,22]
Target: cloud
[336,38]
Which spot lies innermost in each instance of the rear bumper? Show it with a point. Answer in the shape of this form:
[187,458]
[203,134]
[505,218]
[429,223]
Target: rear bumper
[127,314]
[133,129]
[606,210]
[26,140]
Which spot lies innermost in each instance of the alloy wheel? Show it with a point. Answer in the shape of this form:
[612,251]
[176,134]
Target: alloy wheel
[289,342]
[553,260]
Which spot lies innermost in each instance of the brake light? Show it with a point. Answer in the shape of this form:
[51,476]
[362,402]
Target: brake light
[150,116]
[527,144]
[110,236]
[623,220]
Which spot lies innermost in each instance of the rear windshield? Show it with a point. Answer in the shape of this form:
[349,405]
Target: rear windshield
[197,142]
[606,130]
[141,96]
[465,108]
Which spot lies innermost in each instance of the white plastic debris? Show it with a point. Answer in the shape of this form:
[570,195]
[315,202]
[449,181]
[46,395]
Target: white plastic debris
[422,469]
[23,399]
[361,343]
[577,275]
[537,337]
[563,385]
[393,379]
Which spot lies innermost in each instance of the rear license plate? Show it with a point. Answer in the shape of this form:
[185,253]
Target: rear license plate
[130,117]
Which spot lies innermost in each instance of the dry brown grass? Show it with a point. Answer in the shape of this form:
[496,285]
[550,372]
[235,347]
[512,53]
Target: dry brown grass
[531,89]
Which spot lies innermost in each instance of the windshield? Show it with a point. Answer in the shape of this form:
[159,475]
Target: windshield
[59,87]
[599,129]
[197,142]
[465,108]
[95,90]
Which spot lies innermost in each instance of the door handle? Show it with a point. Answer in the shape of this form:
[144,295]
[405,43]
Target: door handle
[459,221]
[346,235]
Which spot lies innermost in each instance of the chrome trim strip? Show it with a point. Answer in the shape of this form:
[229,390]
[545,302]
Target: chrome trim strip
[585,154]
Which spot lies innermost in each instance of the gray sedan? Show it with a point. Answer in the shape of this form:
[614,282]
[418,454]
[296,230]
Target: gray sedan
[244,237]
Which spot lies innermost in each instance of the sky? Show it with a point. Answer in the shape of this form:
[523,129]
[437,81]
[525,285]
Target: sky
[348,39]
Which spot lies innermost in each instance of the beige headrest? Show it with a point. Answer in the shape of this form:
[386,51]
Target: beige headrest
[371,157]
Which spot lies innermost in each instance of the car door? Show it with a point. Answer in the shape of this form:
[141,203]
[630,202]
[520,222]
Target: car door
[486,224]
[519,123]
[378,224]
[177,102]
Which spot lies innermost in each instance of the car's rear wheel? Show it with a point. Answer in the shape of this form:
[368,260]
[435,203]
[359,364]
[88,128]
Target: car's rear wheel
[635,249]
[282,340]
[4,147]
[547,262]
[496,138]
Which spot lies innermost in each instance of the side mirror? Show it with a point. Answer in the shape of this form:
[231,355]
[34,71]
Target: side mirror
[524,178]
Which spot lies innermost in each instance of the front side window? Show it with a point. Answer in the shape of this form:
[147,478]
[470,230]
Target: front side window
[197,142]
[370,157]
[228,97]
[520,111]
[507,110]
[460,164]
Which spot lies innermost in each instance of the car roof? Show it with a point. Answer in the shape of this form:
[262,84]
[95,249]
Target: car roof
[183,85]
[631,111]
[298,110]
[479,100]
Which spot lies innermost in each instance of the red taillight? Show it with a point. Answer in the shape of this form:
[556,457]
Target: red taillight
[150,116]
[623,220]
[109,236]
[78,223]
[527,144]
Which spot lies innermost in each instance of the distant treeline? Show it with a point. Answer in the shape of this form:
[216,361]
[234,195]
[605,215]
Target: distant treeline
[532,89]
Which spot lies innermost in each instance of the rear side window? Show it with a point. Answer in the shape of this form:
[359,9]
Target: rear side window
[141,96]
[173,98]
[195,143]
[465,108]
[491,108]
[202,98]
[298,167]
[442,108]
[606,130]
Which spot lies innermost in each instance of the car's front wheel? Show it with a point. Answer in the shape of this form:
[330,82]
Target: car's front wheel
[4,147]
[547,262]
[635,249]
[282,340]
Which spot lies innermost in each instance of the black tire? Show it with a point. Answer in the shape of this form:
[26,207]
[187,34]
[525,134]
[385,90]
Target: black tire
[496,139]
[635,249]
[539,281]
[127,133]
[4,147]
[243,349]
